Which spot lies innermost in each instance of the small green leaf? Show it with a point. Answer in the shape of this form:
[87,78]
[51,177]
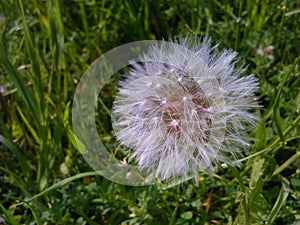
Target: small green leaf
[261,136]
[296,183]
[256,172]
[187,215]
[254,196]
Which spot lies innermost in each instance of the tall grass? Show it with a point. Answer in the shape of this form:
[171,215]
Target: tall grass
[45,47]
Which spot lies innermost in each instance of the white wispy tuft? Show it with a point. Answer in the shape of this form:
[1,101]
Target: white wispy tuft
[185,108]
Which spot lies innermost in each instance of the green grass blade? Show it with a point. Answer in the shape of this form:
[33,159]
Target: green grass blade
[21,158]
[34,60]
[28,125]
[34,213]
[276,144]
[10,218]
[70,134]
[281,199]
[19,181]
[286,163]
[276,105]
[63,183]
[23,90]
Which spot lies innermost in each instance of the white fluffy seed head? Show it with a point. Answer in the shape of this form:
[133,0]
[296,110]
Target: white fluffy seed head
[184,109]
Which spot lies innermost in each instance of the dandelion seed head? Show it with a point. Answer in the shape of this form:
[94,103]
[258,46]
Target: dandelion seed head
[185,109]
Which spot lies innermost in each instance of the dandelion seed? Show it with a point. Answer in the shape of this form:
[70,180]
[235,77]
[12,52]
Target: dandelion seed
[185,109]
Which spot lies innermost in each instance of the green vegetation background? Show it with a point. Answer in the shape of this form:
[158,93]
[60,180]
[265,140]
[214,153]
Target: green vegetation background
[45,47]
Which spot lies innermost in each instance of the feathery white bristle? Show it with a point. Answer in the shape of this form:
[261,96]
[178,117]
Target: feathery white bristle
[184,109]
